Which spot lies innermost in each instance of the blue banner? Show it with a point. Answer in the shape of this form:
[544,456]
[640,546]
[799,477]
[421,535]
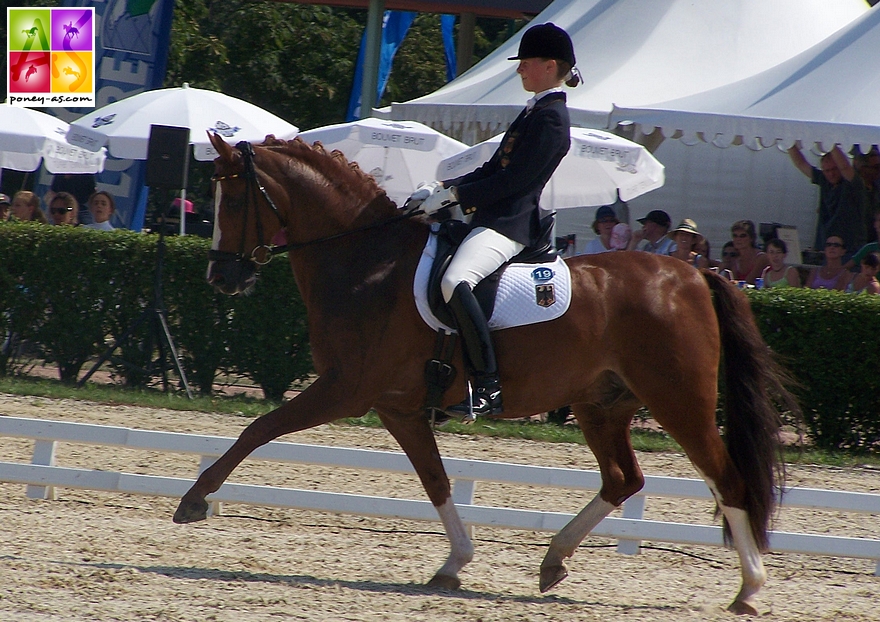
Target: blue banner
[395,25]
[131,52]
[447,28]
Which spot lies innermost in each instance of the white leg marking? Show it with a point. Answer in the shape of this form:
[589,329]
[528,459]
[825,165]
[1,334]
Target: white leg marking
[461,548]
[564,543]
[753,573]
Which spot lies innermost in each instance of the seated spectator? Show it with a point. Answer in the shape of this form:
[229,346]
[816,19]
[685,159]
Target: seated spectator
[702,248]
[5,204]
[64,209]
[621,234]
[686,237]
[777,274]
[870,247]
[102,207]
[26,207]
[866,281]
[868,168]
[652,237]
[832,274]
[602,227]
[751,262]
[80,185]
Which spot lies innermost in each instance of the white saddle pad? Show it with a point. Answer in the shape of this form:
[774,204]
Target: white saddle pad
[527,293]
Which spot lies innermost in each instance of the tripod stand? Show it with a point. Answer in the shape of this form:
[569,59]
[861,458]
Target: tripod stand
[159,336]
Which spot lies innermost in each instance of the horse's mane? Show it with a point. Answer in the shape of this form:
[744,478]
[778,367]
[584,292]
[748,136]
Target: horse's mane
[332,165]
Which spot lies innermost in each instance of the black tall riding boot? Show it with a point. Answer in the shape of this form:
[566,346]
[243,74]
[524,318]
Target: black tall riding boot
[476,343]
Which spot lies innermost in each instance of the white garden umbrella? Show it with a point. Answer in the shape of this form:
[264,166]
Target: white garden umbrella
[29,137]
[398,154]
[598,168]
[124,125]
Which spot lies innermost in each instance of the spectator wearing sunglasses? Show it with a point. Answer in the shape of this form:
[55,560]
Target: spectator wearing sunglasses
[64,209]
[832,274]
[751,261]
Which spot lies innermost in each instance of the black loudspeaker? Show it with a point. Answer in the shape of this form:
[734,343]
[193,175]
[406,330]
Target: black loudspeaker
[167,157]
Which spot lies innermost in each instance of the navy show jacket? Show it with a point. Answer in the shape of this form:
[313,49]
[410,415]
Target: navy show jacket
[503,193]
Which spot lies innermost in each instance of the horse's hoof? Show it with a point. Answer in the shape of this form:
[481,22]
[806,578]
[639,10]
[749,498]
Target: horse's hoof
[444,581]
[190,511]
[742,608]
[552,575]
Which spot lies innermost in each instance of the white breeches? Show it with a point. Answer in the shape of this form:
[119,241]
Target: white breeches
[482,253]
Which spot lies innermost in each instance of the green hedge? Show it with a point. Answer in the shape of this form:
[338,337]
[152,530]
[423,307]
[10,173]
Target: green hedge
[829,341]
[71,292]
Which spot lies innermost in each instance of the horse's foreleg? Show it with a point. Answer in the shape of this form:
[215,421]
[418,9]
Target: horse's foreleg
[607,434]
[322,402]
[416,438]
[564,543]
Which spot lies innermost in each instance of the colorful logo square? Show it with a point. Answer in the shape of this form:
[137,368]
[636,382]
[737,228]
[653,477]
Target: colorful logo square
[50,57]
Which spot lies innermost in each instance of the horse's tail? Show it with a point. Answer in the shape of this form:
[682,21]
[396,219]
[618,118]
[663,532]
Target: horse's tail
[755,393]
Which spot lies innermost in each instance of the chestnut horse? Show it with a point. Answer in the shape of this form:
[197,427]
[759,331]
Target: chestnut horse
[641,330]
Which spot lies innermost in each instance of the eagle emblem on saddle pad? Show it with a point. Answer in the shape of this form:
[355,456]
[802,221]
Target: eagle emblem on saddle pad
[527,293]
[544,295]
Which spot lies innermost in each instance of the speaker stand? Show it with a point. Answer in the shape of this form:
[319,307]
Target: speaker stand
[159,334]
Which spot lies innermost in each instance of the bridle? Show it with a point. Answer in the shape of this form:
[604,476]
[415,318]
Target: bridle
[263,252]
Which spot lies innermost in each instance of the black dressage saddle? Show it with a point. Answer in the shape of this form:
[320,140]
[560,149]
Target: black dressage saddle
[451,234]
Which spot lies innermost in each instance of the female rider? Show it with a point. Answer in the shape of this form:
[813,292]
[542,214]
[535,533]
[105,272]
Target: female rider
[502,197]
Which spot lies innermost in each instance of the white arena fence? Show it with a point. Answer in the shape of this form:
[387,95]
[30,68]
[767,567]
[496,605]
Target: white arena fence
[42,475]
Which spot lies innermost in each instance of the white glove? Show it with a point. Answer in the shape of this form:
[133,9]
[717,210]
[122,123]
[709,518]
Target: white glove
[441,197]
[423,191]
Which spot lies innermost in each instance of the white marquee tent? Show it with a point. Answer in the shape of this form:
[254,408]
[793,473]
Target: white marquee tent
[636,52]
[639,53]
[828,94]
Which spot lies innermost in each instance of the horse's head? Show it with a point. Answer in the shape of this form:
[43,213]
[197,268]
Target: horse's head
[249,211]
[312,196]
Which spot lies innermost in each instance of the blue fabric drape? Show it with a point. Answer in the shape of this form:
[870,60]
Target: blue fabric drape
[395,25]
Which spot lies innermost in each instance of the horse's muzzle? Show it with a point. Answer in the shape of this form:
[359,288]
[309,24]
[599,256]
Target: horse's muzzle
[232,277]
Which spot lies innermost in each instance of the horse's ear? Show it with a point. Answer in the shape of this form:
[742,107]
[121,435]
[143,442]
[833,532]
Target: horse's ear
[221,146]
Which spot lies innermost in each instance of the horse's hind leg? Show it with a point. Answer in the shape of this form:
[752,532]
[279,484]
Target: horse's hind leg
[699,437]
[606,430]
[321,402]
[414,434]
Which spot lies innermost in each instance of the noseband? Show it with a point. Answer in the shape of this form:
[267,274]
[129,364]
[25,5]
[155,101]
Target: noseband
[262,252]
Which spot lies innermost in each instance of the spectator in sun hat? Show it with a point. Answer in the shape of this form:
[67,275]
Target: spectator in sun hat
[652,237]
[5,204]
[603,226]
[686,237]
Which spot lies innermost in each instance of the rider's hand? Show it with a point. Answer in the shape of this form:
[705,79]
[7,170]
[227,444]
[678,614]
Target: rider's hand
[441,197]
[432,197]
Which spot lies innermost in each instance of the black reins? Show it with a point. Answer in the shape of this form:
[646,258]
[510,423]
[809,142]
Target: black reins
[252,186]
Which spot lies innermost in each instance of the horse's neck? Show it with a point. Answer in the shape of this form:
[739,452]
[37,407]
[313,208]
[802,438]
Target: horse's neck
[360,270]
